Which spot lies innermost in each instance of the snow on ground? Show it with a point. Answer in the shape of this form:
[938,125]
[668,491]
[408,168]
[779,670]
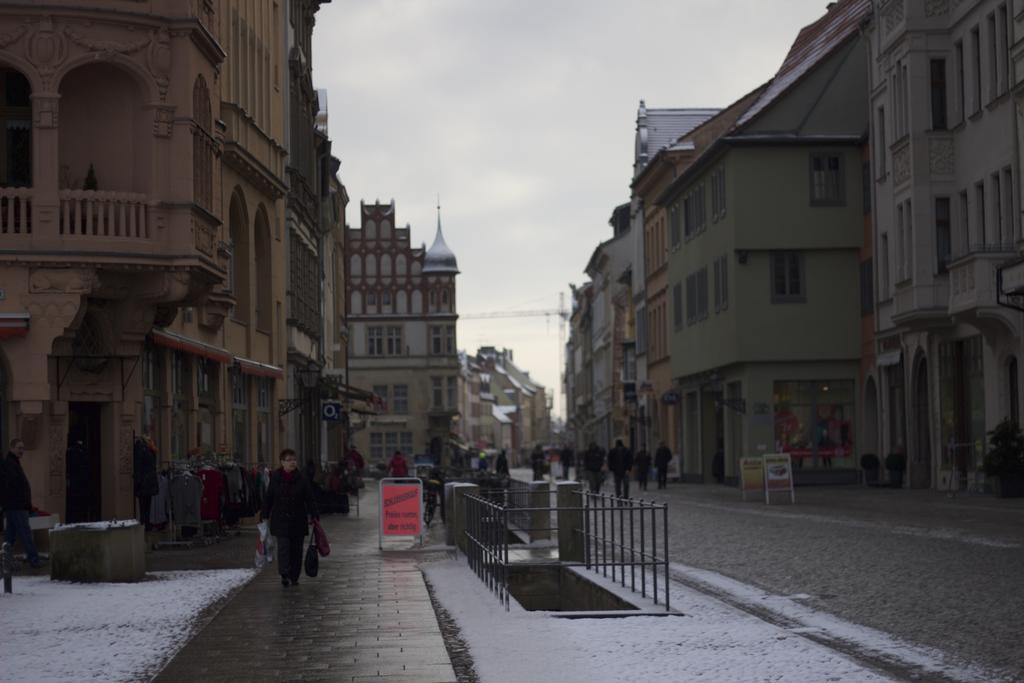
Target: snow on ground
[711,642]
[59,631]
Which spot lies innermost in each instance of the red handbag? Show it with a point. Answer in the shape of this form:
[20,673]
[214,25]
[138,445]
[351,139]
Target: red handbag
[323,546]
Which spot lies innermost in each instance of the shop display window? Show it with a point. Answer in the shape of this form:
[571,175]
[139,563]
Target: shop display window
[814,423]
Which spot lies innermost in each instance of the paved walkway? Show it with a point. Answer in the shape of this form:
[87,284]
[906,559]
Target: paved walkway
[367,616]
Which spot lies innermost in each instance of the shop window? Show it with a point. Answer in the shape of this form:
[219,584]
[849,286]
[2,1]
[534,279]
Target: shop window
[264,394]
[962,404]
[240,416]
[181,390]
[814,423]
[152,392]
[206,389]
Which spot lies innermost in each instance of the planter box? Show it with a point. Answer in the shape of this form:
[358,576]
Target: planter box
[98,552]
[1008,486]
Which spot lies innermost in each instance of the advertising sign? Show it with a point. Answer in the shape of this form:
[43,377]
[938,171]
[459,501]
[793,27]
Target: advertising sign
[778,476]
[330,411]
[401,508]
[751,475]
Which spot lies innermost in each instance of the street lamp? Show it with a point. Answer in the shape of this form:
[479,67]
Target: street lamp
[309,376]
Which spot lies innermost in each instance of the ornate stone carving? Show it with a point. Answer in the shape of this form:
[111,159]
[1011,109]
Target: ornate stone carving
[158,58]
[941,156]
[892,15]
[57,452]
[204,236]
[45,111]
[108,48]
[163,118]
[55,281]
[47,49]
[11,37]
[901,165]
[936,8]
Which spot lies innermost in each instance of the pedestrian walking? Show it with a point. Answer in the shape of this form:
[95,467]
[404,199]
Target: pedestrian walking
[397,467]
[16,501]
[593,463]
[537,460]
[501,464]
[643,467]
[290,506]
[662,457]
[568,460]
[620,462]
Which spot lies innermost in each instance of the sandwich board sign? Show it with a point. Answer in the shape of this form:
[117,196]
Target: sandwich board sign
[401,509]
[751,475]
[778,476]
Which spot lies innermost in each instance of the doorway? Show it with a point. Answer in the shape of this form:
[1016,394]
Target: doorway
[84,455]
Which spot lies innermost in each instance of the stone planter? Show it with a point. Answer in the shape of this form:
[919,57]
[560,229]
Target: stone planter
[98,552]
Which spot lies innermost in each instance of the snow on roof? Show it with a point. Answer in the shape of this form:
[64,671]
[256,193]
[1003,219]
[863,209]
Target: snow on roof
[813,44]
[659,128]
[500,415]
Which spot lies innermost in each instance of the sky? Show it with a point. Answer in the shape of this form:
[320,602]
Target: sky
[520,115]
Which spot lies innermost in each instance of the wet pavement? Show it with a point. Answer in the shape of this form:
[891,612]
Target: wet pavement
[366,616]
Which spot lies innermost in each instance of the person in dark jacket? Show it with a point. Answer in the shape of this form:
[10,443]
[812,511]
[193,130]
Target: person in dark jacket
[16,501]
[537,460]
[501,464]
[662,456]
[593,463]
[568,460]
[643,467]
[620,462]
[290,506]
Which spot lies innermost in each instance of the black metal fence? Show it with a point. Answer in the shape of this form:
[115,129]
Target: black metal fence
[622,539]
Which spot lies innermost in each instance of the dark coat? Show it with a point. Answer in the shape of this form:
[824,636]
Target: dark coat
[501,464]
[620,460]
[288,503]
[15,491]
[643,464]
[593,460]
[567,457]
[662,456]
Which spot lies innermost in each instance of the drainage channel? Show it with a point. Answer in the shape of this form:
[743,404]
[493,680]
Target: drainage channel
[878,662]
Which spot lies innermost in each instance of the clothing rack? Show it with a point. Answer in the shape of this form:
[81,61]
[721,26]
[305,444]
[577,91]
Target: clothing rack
[173,542]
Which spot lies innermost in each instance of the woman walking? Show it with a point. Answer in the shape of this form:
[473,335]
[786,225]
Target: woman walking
[290,507]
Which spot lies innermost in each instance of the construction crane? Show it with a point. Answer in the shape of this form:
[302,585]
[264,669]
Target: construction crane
[562,312]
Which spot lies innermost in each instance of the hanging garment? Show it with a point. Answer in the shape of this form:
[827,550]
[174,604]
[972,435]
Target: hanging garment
[186,499]
[213,493]
[159,503]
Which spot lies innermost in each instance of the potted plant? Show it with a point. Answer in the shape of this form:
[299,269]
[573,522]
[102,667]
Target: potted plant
[870,464]
[896,463]
[1004,462]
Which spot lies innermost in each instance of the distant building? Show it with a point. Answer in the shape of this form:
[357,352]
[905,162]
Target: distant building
[402,344]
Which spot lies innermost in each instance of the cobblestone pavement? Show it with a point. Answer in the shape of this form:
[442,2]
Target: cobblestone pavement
[366,616]
[936,571]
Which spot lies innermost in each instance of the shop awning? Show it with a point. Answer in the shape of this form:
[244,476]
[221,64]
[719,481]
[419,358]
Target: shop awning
[887,358]
[179,342]
[257,369]
[13,325]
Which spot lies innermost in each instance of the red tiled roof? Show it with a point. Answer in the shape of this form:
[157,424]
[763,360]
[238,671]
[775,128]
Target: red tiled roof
[814,43]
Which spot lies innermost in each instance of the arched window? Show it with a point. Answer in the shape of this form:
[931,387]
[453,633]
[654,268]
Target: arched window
[264,270]
[356,265]
[16,125]
[371,265]
[202,145]
[356,305]
[385,265]
[239,271]
[444,299]
[400,265]
[401,302]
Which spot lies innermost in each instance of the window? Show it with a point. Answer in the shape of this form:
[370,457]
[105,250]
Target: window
[976,69]
[689,226]
[405,442]
[436,340]
[993,58]
[826,180]
[965,224]
[938,69]
[390,443]
[382,391]
[449,339]
[641,331]
[1003,48]
[718,194]
[880,140]
[961,86]
[701,214]
[943,239]
[400,398]
[206,387]
[979,199]
[375,341]
[718,286]
[152,387]
[787,277]
[180,399]
[673,225]
[371,298]
[999,224]
[865,187]
[394,340]
[867,295]
[1011,224]
[677,302]
[240,416]
[907,249]
[377,446]
[702,293]
[453,389]
[883,274]
[691,298]
[203,145]
[437,393]
[264,390]
[628,362]
[385,298]
[725,282]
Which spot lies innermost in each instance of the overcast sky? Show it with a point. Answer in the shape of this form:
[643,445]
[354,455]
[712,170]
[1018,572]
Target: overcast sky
[521,115]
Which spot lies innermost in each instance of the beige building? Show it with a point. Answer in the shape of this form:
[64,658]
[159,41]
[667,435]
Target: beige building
[142,242]
[402,345]
[946,116]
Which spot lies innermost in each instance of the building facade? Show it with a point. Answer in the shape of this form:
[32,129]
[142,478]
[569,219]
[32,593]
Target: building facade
[945,113]
[402,344]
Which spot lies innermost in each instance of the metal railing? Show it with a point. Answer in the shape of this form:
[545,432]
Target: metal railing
[623,539]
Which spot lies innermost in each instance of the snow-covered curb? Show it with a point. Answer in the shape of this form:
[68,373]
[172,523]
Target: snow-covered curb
[57,631]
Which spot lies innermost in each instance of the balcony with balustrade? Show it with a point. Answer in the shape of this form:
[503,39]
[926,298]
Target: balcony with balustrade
[973,290]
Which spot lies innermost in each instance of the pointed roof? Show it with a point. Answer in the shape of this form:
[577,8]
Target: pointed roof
[439,258]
